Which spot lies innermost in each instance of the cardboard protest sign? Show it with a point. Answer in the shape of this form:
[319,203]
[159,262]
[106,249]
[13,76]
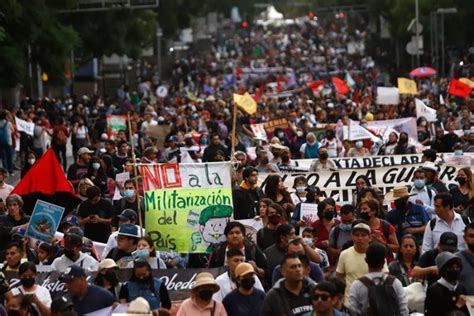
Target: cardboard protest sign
[386,95]
[115,123]
[309,213]
[252,226]
[187,205]
[246,102]
[120,179]
[44,221]
[407,86]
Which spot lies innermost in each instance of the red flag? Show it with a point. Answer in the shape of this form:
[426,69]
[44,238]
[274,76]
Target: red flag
[238,72]
[459,88]
[278,84]
[313,85]
[340,85]
[258,94]
[46,181]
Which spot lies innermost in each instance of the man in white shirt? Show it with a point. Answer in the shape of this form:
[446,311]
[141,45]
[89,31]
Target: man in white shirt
[226,280]
[424,196]
[74,255]
[5,189]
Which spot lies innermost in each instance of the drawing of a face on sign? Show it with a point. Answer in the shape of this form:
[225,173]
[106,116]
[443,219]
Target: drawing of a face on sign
[212,221]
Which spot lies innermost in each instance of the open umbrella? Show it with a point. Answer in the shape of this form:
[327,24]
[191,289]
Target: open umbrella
[423,72]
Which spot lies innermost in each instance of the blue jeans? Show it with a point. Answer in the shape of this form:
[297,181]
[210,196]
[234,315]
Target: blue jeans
[6,154]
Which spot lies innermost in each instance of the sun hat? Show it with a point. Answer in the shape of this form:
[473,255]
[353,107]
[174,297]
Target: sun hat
[398,193]
[205,278]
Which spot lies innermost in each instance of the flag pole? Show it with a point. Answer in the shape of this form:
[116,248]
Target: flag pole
[140,220]
[234,127]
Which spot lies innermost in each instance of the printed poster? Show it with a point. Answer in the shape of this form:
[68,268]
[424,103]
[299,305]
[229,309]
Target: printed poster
[187,205]
[44,221]
[116,123]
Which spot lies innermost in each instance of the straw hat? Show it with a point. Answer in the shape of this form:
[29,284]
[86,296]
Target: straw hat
[398,193]
[139,306]
[205,278]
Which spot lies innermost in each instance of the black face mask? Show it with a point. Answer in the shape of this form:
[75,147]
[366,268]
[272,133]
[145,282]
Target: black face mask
[111,277]
[364,216]
[401,204]
[329,215]
[13,313]
[27,282]
[70,253]
[461,180]
[247,283]
[285,158]
[324,156]
[205,295]
[452,275]
[143,281]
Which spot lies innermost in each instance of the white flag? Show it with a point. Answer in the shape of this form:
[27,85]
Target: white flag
[357,132]
[441,99]
[425,111]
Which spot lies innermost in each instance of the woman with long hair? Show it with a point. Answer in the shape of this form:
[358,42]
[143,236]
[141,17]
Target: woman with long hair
[407,257]
[146,251]
[97,175]
[277,192]
[106,277]
[263,205]
[403,148]
[30,160]
[389,147]
[464,191]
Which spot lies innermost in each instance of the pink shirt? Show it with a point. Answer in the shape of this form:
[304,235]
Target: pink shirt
[190,308]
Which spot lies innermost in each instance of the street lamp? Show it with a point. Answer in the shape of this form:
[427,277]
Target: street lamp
[442,12]
[159,35]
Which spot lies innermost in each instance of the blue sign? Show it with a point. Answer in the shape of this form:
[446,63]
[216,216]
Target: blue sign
[44,221]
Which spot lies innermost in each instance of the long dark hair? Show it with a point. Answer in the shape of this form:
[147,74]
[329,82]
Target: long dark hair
[140,263]
[271,186]
[150,244]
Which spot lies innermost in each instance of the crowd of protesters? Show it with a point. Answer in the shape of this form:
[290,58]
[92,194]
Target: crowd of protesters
[356,259]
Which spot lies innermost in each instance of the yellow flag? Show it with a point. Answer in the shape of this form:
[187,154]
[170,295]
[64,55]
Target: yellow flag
[407,86]
[246,103]
[470,83]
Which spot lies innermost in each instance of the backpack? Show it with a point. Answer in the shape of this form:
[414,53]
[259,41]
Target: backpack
[465,219]
[61,137]
[383,300]
[4,134]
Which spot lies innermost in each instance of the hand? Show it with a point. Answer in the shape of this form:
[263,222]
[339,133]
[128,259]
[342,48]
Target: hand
[301,223]
[461,301]
[325,243]
[253,264]
[96,219]
[171,263]
[53,241]
[419,202]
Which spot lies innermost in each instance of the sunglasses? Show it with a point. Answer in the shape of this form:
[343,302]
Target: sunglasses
[323,297]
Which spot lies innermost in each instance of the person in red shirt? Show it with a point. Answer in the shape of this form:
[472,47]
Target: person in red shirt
[382,231]
[327,220]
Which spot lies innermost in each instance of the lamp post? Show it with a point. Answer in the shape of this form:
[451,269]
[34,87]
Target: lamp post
[159,35]
[442,12]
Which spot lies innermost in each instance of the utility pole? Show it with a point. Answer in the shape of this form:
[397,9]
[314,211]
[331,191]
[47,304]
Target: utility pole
[159,35]
[417,35]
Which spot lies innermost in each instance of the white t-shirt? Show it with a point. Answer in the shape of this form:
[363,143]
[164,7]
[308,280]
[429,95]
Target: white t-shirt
[85,261]
[227,285]
[41,292]
[81,132]
[5,191]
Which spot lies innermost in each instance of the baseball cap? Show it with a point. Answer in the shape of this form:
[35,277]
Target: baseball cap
[173,138]
[449,242]
[313,189]
[61,304]
[71,220]
[243,269]
[107,264]
[128,215]
[361,226]
[84,150]
[18,232]
[428,165]
[128,230]
[76,230]
[72,272]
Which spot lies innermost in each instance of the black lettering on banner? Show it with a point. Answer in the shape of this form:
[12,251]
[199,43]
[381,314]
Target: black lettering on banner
[366,163]
[415,159]
[194,181]
[406,174]
[337,162]
[372,176]
[449,173]
[351,179]
[313,179]
[333,178]
[404,161]
[390,175]
[385,161]
[355,164]
[376,161]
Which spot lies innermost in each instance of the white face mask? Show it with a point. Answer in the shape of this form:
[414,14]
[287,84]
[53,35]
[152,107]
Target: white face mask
[31,161]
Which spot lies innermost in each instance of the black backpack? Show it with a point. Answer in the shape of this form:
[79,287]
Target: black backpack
[383,300]
[465,219]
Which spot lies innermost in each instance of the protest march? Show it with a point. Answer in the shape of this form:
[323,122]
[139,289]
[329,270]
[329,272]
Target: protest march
[280,172]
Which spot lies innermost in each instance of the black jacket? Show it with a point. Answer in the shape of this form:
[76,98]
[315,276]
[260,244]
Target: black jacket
[246,202]
[440,301]
[252,252]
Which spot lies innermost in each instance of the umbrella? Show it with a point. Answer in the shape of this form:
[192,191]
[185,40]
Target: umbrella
[423,72]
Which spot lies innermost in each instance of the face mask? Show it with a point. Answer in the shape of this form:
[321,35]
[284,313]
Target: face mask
[31,161]
[308,241]
[265,161]
[467,132]
[285,158]
[345,227]
[281,135]
[458,152]
[143,281]
[27,282]
[359,144]
[400,204]
[423,123]
[129,193]
[70,254]
[274,219]
[13,312]
[111,277]
[204,141]
[300,189]
[461,180]
[324,156]
[419,183]
[365,216]
[95,165]
[329,215]
[471,246]
[453,275]
[299,133]
[247,283]
[205,295]
[142,253]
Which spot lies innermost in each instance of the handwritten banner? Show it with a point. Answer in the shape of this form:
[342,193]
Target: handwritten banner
[24,126]
[187,205]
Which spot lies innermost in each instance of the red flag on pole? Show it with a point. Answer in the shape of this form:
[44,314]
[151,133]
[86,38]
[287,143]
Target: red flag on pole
[313,85]
[340,85]
[46,181]
[459,88]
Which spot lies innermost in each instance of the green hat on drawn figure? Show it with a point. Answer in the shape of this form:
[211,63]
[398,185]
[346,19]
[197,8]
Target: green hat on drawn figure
[214,211]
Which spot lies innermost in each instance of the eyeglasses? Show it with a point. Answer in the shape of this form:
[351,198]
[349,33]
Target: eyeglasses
[323,297]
